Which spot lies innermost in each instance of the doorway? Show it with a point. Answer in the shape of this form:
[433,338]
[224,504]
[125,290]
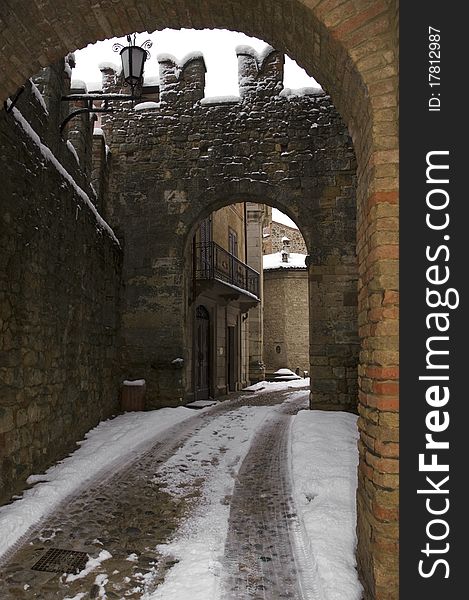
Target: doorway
[202,354]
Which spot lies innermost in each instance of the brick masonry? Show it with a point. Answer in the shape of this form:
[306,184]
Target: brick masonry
[351,48]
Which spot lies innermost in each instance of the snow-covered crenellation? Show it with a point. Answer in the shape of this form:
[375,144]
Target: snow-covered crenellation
[258,56]
[181,63]
[274,261]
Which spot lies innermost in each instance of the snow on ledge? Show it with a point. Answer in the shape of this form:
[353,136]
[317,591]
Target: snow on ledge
[78,84]
[105,65]
[134,382]
[305,91]
[220,100]
[146,106]
[39,96]
[98,132]
[71,147]
[49,156]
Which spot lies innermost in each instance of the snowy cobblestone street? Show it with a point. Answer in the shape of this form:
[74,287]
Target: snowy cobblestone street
[204,511]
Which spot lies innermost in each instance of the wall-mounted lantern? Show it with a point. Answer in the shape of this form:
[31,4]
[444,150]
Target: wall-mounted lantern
[133,59]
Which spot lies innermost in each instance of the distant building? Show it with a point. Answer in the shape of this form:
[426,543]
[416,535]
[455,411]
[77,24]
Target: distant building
[285,310]
[225,288]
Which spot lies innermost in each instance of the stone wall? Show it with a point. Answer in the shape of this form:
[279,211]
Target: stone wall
[351,48]
[176,162]
[286,320]
[277,231]
[59,291]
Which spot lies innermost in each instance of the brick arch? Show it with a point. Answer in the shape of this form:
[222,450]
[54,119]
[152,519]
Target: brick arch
[351,48]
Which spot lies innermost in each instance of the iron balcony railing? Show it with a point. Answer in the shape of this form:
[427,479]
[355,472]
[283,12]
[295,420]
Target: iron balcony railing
[211,261]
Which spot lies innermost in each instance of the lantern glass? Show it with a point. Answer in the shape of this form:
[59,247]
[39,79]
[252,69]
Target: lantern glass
[133,59]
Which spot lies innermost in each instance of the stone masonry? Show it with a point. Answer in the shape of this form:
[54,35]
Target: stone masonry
[351,47]
[273,242]
[176,161]
[59,291]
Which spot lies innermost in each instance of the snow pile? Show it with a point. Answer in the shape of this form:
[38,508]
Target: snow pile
[324,460]
[110,443]
[274,261]
[285,375]
[265,387]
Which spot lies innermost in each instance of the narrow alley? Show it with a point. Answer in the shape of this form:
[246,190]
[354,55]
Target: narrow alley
[205,510]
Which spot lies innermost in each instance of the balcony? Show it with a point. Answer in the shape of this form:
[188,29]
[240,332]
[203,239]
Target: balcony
[217,270]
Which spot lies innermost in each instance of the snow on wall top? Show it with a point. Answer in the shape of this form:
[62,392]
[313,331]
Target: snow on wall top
[220,100]
[260,57]
[146,106]
[182,63]
[274,261]
[306,91]
[103,66]
[78,84]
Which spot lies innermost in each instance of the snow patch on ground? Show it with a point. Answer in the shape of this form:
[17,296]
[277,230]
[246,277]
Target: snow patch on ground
[91,565]
[109,443]
[324,459]
[213,454]
[265,387]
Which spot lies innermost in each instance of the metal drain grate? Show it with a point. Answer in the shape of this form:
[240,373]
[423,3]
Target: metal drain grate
[56,560]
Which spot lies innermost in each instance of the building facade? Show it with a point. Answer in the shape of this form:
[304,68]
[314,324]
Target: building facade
[224,290]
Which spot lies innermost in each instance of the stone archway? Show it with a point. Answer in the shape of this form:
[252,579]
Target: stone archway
[351,47]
